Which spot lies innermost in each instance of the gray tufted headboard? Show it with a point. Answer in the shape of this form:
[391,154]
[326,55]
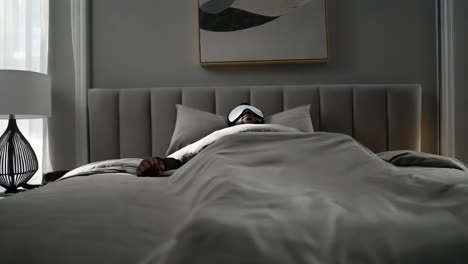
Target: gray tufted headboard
[139,122]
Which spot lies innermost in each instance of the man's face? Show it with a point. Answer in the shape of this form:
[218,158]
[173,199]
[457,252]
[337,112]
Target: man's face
[248,118]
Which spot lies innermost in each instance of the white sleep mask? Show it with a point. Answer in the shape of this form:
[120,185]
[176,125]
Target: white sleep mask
[238,111]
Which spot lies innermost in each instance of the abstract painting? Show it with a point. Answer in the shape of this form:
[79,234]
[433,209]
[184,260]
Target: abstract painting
[262,31]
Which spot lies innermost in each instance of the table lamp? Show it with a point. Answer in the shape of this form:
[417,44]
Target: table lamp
[23,94]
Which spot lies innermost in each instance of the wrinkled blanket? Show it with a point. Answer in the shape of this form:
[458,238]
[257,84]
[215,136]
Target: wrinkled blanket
[313,198]
[129,165]
[193,149]
[248,198]
[408,158]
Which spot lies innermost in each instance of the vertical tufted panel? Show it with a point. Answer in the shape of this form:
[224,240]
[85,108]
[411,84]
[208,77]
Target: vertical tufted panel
[370,117]
[135,123]
[304,95]
[124,123]
[268,99]
[336,109]
[163,117]
[202,98]
[227,98]
[404,117]
[104,132]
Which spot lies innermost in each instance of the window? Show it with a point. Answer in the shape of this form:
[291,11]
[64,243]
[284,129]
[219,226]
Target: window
[24,42]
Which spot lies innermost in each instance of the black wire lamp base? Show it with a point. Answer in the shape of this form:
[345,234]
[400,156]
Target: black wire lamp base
[18,162]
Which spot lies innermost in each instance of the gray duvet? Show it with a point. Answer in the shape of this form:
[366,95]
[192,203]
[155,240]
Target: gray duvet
[249,198]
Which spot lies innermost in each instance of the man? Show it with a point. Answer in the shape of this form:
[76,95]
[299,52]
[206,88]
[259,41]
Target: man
[242,114]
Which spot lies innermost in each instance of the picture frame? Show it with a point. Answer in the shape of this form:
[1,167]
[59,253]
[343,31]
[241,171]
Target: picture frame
[238,32]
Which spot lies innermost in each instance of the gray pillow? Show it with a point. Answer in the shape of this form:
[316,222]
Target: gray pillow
[298,118]
[192,125]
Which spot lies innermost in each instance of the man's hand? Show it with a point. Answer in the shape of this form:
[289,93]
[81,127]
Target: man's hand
[151,167]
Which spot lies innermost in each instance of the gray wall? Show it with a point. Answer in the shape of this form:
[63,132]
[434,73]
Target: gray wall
[147,43]
[61,69]
[461,78]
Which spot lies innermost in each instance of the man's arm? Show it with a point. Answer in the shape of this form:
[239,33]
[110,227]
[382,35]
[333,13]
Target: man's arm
[154,166]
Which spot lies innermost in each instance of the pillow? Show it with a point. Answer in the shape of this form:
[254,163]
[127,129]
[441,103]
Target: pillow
[298,118]
[192,125]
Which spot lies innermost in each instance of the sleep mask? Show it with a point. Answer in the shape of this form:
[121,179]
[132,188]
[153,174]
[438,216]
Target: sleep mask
[237,113]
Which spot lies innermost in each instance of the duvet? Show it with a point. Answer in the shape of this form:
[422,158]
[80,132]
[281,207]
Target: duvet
[249,198]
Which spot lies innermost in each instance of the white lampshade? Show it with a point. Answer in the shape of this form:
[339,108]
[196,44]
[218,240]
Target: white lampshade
[24,94]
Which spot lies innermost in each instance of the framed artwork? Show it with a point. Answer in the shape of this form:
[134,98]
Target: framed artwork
[262,31]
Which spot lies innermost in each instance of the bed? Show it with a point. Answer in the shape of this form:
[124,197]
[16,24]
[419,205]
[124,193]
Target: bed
[274,196]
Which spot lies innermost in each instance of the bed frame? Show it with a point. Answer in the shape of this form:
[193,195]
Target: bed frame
[139,122]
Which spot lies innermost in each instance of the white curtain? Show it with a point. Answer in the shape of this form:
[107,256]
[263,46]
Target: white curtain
[24,45]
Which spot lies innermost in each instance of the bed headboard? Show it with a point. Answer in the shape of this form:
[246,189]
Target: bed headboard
[140,122]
